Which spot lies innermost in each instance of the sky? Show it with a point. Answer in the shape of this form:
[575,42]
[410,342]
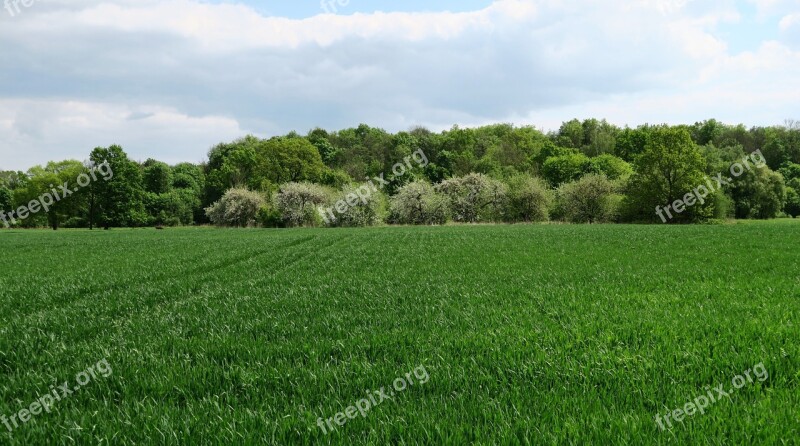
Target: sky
[168,79]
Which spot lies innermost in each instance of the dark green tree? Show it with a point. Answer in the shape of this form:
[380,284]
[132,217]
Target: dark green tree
[118,196]
[157,177]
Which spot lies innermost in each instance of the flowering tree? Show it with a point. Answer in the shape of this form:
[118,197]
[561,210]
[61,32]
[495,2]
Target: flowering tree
[238,208]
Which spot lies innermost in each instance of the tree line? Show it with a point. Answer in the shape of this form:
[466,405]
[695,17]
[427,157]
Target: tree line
[585,172]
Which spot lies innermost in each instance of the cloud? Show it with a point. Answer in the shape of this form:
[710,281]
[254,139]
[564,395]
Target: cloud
[170,78]
[35,131]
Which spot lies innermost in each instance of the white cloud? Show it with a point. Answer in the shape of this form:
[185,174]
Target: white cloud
[169,78]
[234,27]
[768,8]
[33,132]
[790,21]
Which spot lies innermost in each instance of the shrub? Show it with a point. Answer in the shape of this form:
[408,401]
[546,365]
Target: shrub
[297,203]
[529,199]
[367,212]
[418,203]
[269,217]
[475,198]
[759,193]
[592,199]
[792,207]
[237,208]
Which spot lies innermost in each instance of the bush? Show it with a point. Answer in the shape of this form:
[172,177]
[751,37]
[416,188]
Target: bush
[759,193]
[529,199]
[418,203]
[592,199]
[297,203]
[237,208]
[475,198]
[370,211]
[269,217]
[792,207]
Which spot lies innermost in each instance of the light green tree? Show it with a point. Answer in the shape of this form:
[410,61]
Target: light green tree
[669,168]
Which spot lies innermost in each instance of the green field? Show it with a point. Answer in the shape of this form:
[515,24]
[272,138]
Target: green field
[543,334]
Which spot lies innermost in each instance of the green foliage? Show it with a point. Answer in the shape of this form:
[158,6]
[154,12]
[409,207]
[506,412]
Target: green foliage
[5,199]
[12,180]
[591,199]
[419,203]
[230,165]
[659,164]
[283,160]
[188,181]
[172,208]
[599,137]
[44,181]
[550,150]
[566,168]
[117,201]
[529,199]
[631,142]
[781,145]
[157,177]
[790,171]
[370,211]
[758,193]
[319,138]
[670,167]
[707,132]
[592,137]
[571,134]
[792,206]
[363,151]
[723,205]
[612,167]
[335,178]
[237,208]
[188,176]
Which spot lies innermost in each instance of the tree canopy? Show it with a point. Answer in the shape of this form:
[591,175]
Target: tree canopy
[497,172]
